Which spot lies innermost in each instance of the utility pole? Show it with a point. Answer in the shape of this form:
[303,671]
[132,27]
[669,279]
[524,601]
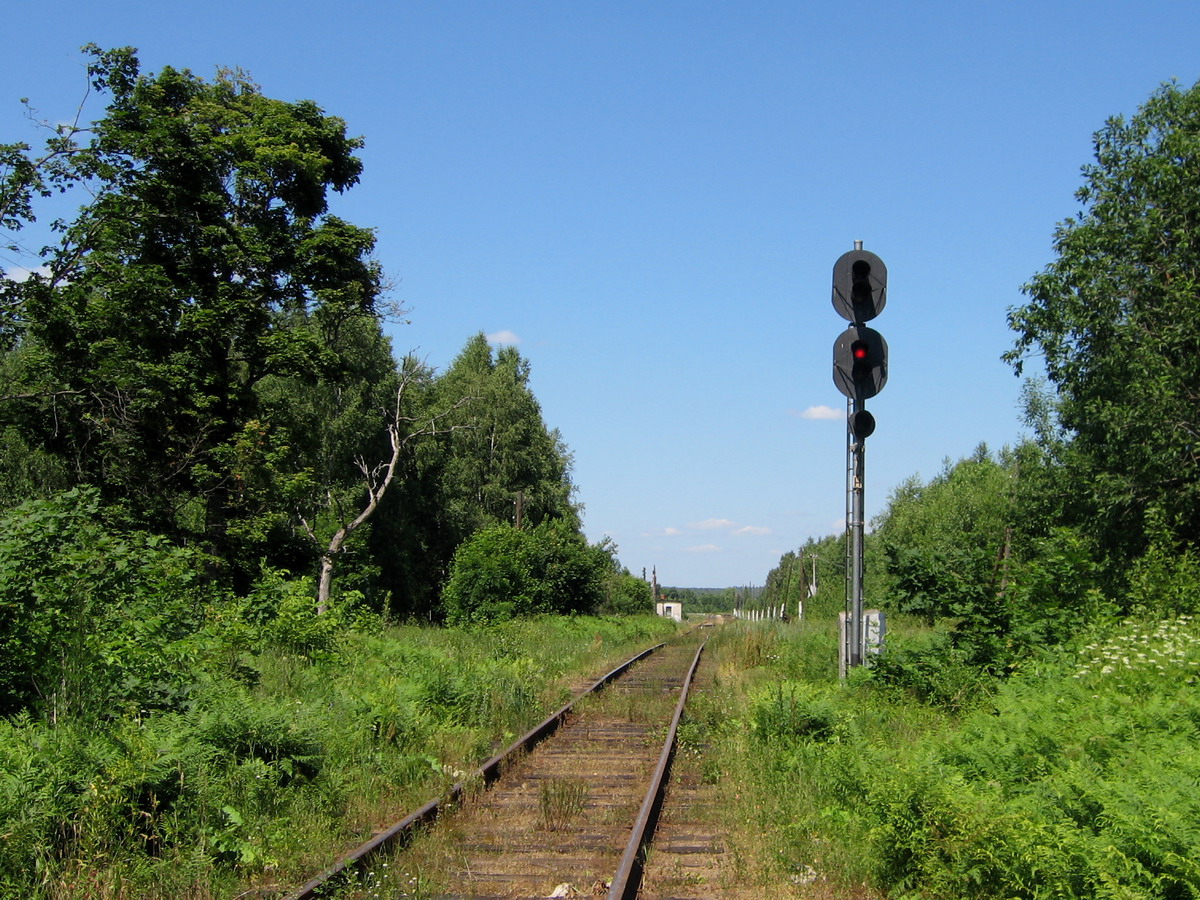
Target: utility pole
[788,583]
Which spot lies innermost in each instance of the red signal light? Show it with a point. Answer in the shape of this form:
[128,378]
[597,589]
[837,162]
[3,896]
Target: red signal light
[860,362]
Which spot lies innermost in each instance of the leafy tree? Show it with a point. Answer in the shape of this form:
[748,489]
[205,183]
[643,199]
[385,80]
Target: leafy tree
[204,344]
[946,541]
[494,461]
[507,461]
[949,548]
[203,262]
[504,572]
[790,581]
[378,474]
[627,595]
[786,584]
[981,547]
[1116,318]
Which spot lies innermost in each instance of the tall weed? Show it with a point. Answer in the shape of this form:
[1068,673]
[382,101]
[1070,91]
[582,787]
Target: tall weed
[932,670]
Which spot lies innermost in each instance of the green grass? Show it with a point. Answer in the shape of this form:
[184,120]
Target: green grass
[1074,778]
[281,760]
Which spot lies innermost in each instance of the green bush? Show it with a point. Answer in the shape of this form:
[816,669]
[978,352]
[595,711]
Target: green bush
[284,609]
[503,572]
[1054,590]
[933,671]
[93,618]
[627,595]
[1164,581]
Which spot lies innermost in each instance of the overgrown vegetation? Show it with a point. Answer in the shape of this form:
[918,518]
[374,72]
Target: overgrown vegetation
[220,491]
[203,345]
[1071,778]
[504,572]
[292,744]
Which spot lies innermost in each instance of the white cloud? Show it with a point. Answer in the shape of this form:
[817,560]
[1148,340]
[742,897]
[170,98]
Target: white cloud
[820,412]
[710,524]
[662,532]
[503,337]
[704,548]
[753,529]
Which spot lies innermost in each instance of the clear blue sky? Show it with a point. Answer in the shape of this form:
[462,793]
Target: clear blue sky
[648,198]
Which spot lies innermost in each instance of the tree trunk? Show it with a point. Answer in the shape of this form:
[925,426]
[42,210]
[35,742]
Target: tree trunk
[325,584]
[377,479]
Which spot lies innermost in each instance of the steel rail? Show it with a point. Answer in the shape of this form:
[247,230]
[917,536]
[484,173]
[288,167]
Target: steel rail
[402,831]
[628,878]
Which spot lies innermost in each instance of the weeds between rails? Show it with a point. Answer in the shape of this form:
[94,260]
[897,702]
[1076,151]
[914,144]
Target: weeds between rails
[557,798]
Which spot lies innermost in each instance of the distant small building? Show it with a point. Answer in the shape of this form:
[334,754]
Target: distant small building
[670,609]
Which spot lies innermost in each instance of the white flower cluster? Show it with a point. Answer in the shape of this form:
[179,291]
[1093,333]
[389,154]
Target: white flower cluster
[1171,646]
[386,883]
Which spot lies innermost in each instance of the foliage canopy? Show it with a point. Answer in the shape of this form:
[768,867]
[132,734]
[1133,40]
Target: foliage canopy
[203,262]
[1116,318]
[503,572]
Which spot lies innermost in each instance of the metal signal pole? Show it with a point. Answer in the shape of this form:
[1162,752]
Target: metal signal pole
[855,477]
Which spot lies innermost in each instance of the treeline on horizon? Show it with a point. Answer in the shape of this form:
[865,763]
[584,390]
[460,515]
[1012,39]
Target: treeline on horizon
[707,600]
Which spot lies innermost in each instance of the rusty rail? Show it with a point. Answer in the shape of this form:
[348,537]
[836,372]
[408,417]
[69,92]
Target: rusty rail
[628,878]
[402,831]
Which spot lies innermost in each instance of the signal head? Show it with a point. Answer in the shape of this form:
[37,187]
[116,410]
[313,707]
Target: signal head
[859,286]
[860,362]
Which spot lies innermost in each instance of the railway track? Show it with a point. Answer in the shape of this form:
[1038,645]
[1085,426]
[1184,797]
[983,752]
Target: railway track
[570,811]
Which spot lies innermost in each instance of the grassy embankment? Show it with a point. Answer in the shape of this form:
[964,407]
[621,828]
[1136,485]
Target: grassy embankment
[281,760]
[1074,778]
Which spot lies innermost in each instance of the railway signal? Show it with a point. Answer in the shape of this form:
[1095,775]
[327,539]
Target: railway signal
[862,424]
[860,371]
